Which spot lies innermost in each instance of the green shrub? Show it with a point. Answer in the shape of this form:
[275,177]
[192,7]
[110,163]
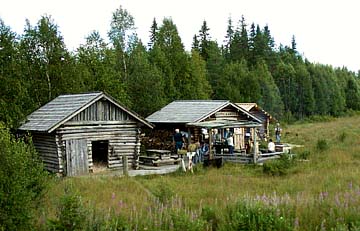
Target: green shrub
[320,118]
[304,155]
[342,136]
[246,216]
[181,221]
[164,193]
[210,216]
[322,145]
[71,214]
[116,222]
[278,167]
[22,182]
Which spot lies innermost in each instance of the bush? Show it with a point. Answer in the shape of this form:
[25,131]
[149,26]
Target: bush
[164,193]
[322,145]
[304,155]
[245,216]
[342,137]
[22,182]
[70,214]
[209,215]
[278,167]
[182,221]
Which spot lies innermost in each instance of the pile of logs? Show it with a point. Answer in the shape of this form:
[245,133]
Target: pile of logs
[158,139]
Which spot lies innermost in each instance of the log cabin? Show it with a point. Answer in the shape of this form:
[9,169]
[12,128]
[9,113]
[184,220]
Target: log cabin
[191,116]
[74,133]
[258,112]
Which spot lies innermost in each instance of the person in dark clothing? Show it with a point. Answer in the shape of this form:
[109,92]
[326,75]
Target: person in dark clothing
[178,140]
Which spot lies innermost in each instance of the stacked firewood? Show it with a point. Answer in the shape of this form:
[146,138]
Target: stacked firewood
[158,139]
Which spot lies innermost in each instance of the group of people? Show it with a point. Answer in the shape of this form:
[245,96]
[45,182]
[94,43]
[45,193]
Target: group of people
[227,139]
[202,148]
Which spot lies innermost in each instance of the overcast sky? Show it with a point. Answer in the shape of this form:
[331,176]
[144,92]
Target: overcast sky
[326,31]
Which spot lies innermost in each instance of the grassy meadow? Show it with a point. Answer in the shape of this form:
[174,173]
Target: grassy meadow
[318,190]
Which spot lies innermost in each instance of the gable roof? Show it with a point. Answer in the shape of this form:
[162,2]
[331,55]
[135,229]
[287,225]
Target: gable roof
[64,107]
[249,106]
[191,111]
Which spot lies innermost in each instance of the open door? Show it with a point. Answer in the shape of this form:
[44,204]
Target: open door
[76,157]
[100,152]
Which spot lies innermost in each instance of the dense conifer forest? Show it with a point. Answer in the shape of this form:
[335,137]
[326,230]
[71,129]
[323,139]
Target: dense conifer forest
[248,66]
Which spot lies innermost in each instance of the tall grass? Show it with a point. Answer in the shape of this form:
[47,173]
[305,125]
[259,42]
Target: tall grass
[321,193]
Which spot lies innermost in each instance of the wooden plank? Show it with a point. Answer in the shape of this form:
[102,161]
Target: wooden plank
[102,122]
[76,157]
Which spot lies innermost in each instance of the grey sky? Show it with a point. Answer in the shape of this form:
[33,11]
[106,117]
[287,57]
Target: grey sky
[326,31]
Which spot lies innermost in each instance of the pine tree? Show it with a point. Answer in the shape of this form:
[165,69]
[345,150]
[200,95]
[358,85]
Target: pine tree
[228,38]
[293,44]
[153,34]
[244,39]
[198,86]
[215,66]
[270,99]
[195,44]
[204,38]
[305,95]
[321,90]
[175,67]
[145,84]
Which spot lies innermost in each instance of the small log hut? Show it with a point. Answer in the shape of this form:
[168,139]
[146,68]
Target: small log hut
[264,116]
[188,115]
[73,133]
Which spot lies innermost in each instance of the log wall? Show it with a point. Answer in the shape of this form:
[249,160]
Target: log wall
[123,138]
[46,146]
[102,110]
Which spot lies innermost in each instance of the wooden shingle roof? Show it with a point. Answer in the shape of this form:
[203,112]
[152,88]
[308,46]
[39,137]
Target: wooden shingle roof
[249,106]
[191,111]
[64,107]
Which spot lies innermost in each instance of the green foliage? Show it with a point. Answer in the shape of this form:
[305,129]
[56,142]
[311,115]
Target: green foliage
[22,182]
[323,194]
[182,221]
[70,214]
[36,67]
[342,136]
[322,145]
[164,193]
[278,167]
[304,155]
[247,216]
[145,83]
[211,217]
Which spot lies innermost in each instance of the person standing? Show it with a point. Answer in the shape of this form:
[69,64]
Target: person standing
[204,151]
[278,131]
[230,143]
[178,140]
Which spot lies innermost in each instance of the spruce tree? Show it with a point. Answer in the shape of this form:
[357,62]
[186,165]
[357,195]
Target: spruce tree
[204,38]
[153,34]
[145,85]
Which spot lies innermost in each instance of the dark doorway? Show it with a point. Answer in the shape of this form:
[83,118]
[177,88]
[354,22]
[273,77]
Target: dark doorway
[100,150]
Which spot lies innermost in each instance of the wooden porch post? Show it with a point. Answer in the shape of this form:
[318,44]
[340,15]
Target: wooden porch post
[255,145]
[210,144]
[189,136]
